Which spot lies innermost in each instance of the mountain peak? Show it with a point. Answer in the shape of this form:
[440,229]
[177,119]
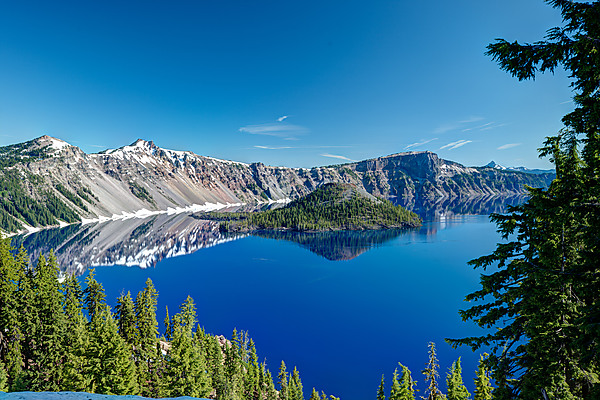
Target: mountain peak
[55,143]
[142,142]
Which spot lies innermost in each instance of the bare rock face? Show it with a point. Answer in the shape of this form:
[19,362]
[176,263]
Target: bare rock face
[143,176]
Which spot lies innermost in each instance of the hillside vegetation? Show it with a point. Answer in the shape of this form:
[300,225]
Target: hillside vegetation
[333,206]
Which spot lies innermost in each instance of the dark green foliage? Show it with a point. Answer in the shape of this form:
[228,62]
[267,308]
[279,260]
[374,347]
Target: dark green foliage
[110,364]
[483,388]
[331,207]
[140,192]
[395,390]
[283,382]
[16,205]
[186,370]
[20,153]
[86,193]
[94,295]
[456,389]
[295,386]
[340,245]
[70,196]
[8,223]
[401,389]
[3,378]
[142,229]
[544,301]
[125,315]
[380,391]
[147,351]
[59,209]
[76,369]
[9,316]
[407,385]
[48,347]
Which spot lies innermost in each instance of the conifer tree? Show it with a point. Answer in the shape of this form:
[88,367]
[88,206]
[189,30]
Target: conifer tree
[432,392]
[314,395]
[93,295]
[9,317]
[395,390]
[125,315]
[48,350]
[76,339]
[73,296]
[454,383]
[215,364]
[483,388]
[167,322]
[233,368]
[252,376]
[283,382]
[110,365]
[147,352]
[28,322]
[185,364]
[271,392]
[545,292]
[380,391]
[407,385]
[295,389]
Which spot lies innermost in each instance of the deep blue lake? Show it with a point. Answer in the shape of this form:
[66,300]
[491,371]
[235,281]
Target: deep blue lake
[342,323]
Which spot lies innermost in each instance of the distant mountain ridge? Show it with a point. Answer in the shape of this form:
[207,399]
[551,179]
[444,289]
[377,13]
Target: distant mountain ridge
[47,181]
[492,164]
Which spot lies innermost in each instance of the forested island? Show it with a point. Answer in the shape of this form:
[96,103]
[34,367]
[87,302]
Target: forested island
[333,206]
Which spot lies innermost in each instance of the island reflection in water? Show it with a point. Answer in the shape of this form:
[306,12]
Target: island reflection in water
[145,242]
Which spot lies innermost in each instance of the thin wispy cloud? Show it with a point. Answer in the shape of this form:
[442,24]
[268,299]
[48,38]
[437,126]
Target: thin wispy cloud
[277,130]
[509,146]
[455,145]
[263,147]
[485,127]
[336,156]
[471,119]
[452,126]
[566,102]
[417,144]
[282,118]
[274,147]
[493,126]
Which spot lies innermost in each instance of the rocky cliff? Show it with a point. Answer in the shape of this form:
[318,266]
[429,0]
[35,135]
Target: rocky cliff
[47,181]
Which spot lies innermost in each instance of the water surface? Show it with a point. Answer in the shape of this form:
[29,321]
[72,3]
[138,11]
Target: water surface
[342,323]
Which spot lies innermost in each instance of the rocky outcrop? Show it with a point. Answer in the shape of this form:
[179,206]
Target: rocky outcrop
[143,176]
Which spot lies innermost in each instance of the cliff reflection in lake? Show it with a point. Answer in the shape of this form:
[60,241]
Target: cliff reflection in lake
[335,246]
[145,242]
[434,209]
[131,242]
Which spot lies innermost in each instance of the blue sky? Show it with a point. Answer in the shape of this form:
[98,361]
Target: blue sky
[294,83]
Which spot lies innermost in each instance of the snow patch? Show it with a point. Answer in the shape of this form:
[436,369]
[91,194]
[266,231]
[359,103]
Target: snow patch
[144,213]
[58,144]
